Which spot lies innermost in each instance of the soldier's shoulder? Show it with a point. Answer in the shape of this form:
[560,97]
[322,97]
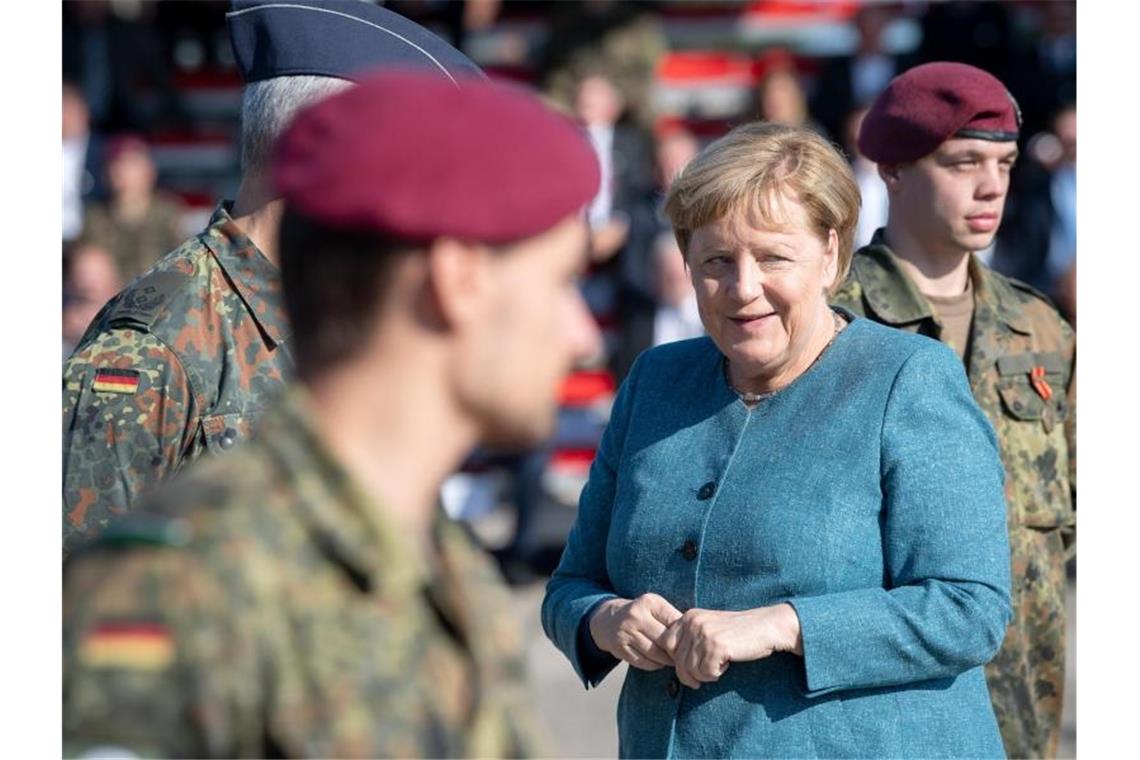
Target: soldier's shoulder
[214,504]
[849,295]
[1037,307]
[163,294]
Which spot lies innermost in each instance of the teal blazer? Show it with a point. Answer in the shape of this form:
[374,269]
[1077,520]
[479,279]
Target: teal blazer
[868,494]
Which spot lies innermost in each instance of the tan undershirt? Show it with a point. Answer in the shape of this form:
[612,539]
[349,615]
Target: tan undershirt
[955,313]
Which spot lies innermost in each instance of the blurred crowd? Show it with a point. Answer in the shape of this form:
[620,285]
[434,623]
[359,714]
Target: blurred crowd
[151,103]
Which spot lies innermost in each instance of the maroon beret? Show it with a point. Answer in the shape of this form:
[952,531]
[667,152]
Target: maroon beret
[926,105]
[415,156]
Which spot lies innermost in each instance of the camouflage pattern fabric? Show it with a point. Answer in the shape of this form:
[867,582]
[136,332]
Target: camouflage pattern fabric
[1016,334]
[262,606]
[182,361]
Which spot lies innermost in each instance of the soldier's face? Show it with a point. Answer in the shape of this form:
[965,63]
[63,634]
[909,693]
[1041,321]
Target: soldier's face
[537,328]
[952,200]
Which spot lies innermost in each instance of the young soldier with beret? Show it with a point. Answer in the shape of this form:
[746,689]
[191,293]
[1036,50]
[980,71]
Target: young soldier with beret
[944,136]
[186,358]
[296,597]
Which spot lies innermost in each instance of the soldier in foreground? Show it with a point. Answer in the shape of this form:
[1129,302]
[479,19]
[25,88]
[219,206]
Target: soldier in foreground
[297,598]
[187,357]
[945,138]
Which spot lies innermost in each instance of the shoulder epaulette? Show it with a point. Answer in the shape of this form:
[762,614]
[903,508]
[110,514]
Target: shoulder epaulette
[146,299]
[1027,288]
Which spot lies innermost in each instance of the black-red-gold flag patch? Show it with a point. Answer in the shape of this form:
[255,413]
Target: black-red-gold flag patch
[116,381]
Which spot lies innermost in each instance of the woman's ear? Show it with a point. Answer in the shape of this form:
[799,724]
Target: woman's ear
[831,261]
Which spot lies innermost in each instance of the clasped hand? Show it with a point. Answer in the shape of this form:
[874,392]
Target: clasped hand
[650,633]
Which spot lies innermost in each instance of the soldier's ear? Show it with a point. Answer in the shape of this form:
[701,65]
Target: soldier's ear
[457,280]
[890,175]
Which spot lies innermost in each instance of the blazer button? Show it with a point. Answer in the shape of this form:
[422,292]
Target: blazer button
[673,688]
[689,550]
[229,438]
[707,491]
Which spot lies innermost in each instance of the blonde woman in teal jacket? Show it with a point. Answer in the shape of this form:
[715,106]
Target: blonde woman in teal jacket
[794,529]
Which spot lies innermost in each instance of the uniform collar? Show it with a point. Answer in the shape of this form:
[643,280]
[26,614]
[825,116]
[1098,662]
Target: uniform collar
[896,300]
[344,522]
[256,279]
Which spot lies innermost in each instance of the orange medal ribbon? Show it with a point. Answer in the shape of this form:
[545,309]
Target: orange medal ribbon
[1037,379]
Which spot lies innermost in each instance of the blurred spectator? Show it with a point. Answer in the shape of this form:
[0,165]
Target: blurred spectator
[977,33]
[850,82]
[82,177]
[675,149]
[677,317]
[781,99]
[1037,242]
[622,40]
[137,224]
[90,279]
[873,208]
[1044,71]
[620,151]
[112,51]
[624,154]
[1061,263]
[640,293]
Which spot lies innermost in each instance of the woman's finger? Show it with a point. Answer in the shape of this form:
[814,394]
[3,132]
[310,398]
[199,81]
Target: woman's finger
[651,651]
[638,660]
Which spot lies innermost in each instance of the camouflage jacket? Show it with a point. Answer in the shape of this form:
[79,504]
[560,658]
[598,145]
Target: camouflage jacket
[182,361]
[1021,367]
[261,605]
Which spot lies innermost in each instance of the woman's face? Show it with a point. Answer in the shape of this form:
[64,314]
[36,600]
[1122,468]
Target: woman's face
[761,291]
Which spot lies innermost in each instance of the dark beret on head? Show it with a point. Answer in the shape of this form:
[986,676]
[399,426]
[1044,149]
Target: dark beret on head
[413,156]
[335,38]
[927,105]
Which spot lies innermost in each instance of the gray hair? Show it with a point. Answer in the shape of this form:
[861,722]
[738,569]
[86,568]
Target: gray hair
[267,108]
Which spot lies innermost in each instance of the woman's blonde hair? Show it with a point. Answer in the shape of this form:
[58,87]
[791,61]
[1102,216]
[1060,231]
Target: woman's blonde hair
[756,166]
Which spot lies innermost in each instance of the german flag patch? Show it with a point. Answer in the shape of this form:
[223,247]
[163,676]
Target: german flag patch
[133,645]
[116,381]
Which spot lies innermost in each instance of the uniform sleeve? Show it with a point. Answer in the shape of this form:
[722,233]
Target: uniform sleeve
[153,661]
[128,418]
[946,600]
[580,582]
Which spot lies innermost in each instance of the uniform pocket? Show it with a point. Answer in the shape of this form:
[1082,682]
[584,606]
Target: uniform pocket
[1032,437]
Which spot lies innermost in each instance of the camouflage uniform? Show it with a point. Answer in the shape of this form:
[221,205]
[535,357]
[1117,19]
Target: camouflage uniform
[262,606]
[180,362]
[1014,330]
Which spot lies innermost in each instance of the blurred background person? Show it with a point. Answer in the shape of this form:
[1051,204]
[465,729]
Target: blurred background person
[847,83]
[640,284]
[82,156]
[138,223]
[873,209]
[91,277]
[677,316]
[781,98]
[1037,242]
[621,40]
[625,156]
